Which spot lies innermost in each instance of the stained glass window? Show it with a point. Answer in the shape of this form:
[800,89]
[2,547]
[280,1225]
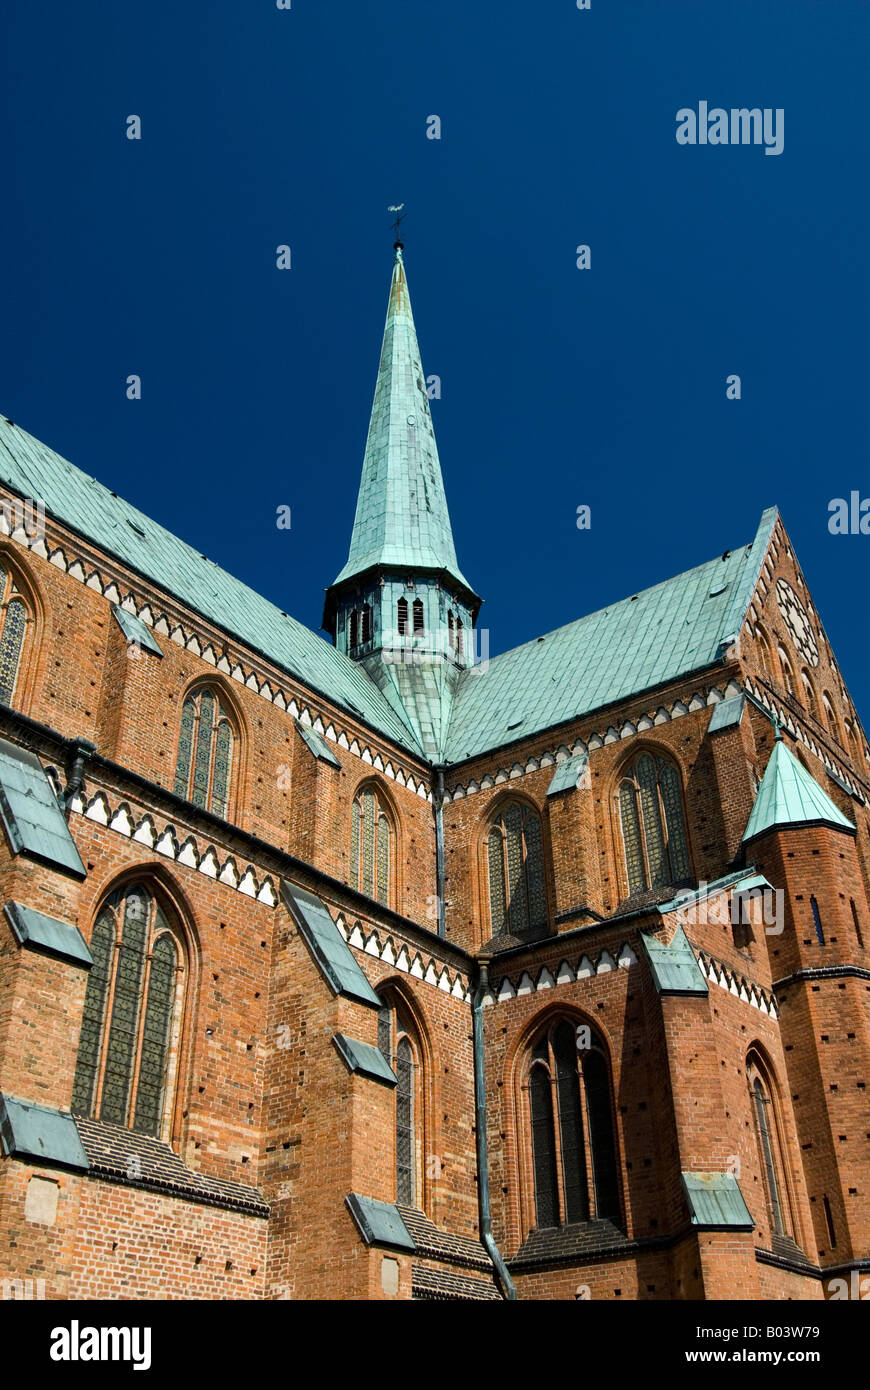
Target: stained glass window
[517,891]
[93,1016]
[131,1000]
[371,846]
[570,1113]
[13,623]
[203,767]
[653,826]
[405,1122]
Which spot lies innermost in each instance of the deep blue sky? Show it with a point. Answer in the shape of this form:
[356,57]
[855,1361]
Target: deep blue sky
[560,387]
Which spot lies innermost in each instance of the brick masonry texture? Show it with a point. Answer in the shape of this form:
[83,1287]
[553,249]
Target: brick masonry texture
[263,1104]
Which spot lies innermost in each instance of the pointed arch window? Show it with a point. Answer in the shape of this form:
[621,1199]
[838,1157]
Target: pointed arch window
[830,716]
[128,1045]
[13,625]
[570,1109]
[809,694]
[205,752]
[764,655]
[768,1142]
[366,623]
[451,638]
[419,620]
[785,667]
[515,862]
[653,824]
[372,851]
[400,1046]
[402,616]
[353,634]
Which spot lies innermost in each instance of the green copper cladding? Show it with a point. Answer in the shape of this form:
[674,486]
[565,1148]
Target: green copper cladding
[401,514]
[32,470]
[788,795]
[667,631]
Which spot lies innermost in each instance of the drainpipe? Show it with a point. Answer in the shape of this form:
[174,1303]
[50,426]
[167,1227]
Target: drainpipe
[437,804]
[81,750]
[508,1288]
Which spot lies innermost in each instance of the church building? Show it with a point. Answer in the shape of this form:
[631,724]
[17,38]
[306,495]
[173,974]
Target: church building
[384,967]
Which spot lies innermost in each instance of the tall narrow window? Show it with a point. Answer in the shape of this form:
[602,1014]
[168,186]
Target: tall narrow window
[653,826]
[767,1138]
[817,921]
[353,637]
[460,638]
[764,652]
[809,694]
[366,623]
[371,845]
[517,894]
[13,622]
[572,1137]
[399,1044]
[785,667]
[402,616]
[856,923]
[419,622]
[205,752]
[451,638]
[131,1015]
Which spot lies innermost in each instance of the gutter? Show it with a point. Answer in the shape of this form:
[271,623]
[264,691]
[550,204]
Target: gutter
[508,1288]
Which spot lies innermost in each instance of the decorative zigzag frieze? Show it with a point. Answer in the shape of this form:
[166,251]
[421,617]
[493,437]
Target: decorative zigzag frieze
[404,958]
[85,572]
[737,985]
[612,734]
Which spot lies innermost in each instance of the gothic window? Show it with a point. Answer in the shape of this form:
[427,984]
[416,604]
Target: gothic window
[653,826]
[572,1137]
[419,624]
[371,845]
[767,1140]
[785,667]
[366,623]
[809,694]
[353,636]
[402,616]
[205,752]
[515,861]
[399,1045]
[460,638]
[764,652]
[451,639]
[851,743]
[132,1014]
[13,622]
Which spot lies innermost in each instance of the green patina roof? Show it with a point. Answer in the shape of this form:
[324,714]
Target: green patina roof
[715,1201]
[30,1131]
[334,957]
[33,470]
[41,933]
[364,1059]
[401,512]
[675,969]
[33,821]
[379,1223]
[634,645]
[788,795]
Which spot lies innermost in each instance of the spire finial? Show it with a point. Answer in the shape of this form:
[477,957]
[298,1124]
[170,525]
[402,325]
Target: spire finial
[397,225]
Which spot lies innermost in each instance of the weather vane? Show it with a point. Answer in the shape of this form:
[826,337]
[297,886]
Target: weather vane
[397,225]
